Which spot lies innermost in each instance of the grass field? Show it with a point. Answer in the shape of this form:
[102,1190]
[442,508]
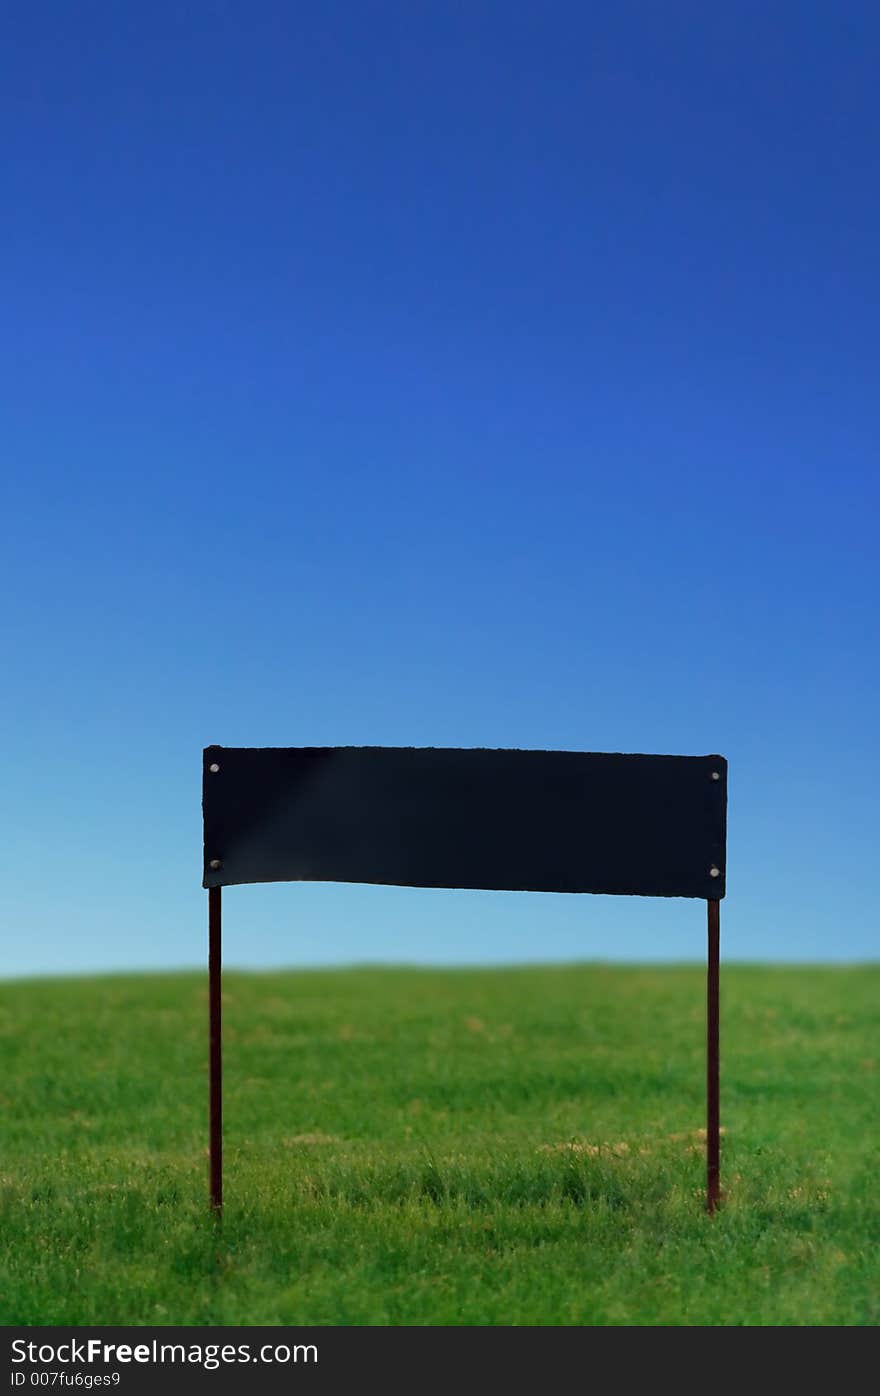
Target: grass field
[441,1147]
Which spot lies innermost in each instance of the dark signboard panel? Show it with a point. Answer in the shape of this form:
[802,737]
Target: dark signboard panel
[543,821]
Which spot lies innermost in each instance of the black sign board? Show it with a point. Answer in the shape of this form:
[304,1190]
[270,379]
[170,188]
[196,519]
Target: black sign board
[544,821]
[541,821]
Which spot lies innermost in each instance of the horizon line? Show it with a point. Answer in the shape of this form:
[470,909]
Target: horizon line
[410,966]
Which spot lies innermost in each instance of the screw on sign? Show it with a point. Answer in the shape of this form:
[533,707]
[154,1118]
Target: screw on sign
[540,821]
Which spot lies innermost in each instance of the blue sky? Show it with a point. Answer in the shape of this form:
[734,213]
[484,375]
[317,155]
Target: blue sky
[440,374]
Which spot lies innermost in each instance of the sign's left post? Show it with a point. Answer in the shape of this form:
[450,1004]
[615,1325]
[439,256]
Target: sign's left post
[215,1069]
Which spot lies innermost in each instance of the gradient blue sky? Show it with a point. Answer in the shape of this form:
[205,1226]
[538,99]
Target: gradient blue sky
[436,374]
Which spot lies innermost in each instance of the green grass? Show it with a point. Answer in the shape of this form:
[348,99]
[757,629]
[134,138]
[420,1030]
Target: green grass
[441,1147]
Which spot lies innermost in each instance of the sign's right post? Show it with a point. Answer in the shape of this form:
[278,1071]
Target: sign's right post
[713,1129]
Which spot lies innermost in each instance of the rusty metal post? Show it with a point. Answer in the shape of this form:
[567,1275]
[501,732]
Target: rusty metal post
[215,1051]
[713,1127]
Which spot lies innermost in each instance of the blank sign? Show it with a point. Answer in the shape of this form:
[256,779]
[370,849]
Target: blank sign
[542,821]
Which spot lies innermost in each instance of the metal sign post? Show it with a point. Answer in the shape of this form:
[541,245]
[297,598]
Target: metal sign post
[713,1121]
[215,1043]
[544,821]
